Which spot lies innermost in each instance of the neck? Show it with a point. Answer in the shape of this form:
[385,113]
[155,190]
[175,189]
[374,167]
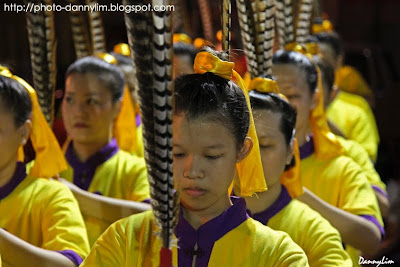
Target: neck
[198,218]
[302,134]
[264,200]
[7,172]
[85,150]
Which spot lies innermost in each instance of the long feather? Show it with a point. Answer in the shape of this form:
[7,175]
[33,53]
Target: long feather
[247,30]
[150,38]
[96,29]
[43,56]
[80,33]
[304,21]
[226,25]
[206,19]
[284,20]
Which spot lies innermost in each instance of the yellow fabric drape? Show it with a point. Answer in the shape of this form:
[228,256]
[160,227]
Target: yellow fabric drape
[325,142]
[124,129]
[49,159]
[122,49]
[291,178]
[250,176]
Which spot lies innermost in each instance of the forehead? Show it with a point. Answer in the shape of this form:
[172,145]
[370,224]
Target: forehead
[267,123]
[200,132]
[85,84]
[290,78]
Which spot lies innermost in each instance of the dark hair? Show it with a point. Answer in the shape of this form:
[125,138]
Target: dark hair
[327,71]
[275,103]
[333,40]
[198,95]
[301,61]
[15,98]
[182,49]
[109,74]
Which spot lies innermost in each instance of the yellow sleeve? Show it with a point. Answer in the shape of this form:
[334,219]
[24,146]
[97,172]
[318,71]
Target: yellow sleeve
[137,181]
[63,227]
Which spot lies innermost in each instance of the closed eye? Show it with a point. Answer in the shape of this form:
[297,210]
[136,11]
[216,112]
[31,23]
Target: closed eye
[179,155]
[214,156]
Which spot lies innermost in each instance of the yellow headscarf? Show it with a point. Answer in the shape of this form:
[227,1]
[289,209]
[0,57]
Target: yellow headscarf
[124,130]
[122,49]
[290,178]
[181,37]
[325,142]
[250,172]
[49,160]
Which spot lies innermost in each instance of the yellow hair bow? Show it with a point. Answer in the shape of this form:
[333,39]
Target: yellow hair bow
[250,172]
[290,178]
[122,49]
[325,142]
[124,130]
[49,159]
[325,26]
[181,37]
[200,42]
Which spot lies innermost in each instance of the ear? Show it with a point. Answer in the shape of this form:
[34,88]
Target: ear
[245,150]
[117,108]
[23,132]
[333,93]
[314,99]
[339,61]
[290,154]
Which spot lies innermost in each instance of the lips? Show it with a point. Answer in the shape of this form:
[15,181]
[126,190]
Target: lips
[194,191]
[80,125]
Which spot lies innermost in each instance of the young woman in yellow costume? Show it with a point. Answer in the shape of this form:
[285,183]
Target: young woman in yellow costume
[40,220]
[350,112]
[336,186]
[102,173]
[277,208]
[351,148]
[213,138]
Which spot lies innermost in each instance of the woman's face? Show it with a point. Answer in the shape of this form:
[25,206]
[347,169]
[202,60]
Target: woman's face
[11,137]
[88,110]
[293,84]
[275,153]
[205,156]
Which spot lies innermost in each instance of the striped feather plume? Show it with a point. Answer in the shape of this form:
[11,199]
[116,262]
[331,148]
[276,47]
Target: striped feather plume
[206,19]
[42,46]
[256,19]
[284,22]
[226,25]
[154,77]
[80,33]
[304,21]
[247,30]
[96,29]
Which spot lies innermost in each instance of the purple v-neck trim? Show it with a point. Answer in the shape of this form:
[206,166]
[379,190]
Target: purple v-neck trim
[207,234]
[282,201]
[18,176]
[307,149]
[84,171]
[138,120]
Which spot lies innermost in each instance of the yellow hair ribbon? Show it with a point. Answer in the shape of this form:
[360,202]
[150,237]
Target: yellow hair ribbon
[325,142]
[325,26]
[250,178]
[218,36]
[49,159]
[124,130]
[181,37]
[290,178]
[312,48]
[122,49]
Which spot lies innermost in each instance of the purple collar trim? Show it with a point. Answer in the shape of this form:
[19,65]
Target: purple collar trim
[307,149]
[282,201]
[18,176]
[84,171]
[138,120]
[207,234]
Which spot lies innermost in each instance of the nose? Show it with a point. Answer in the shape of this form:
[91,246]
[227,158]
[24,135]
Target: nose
[193,168]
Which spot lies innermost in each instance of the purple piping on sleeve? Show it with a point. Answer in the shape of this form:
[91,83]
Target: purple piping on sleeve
[72,255]
[375,221]
[138,120]
[380,190]
[147,200]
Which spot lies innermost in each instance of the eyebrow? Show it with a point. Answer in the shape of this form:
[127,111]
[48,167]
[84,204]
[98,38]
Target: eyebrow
[216,146]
